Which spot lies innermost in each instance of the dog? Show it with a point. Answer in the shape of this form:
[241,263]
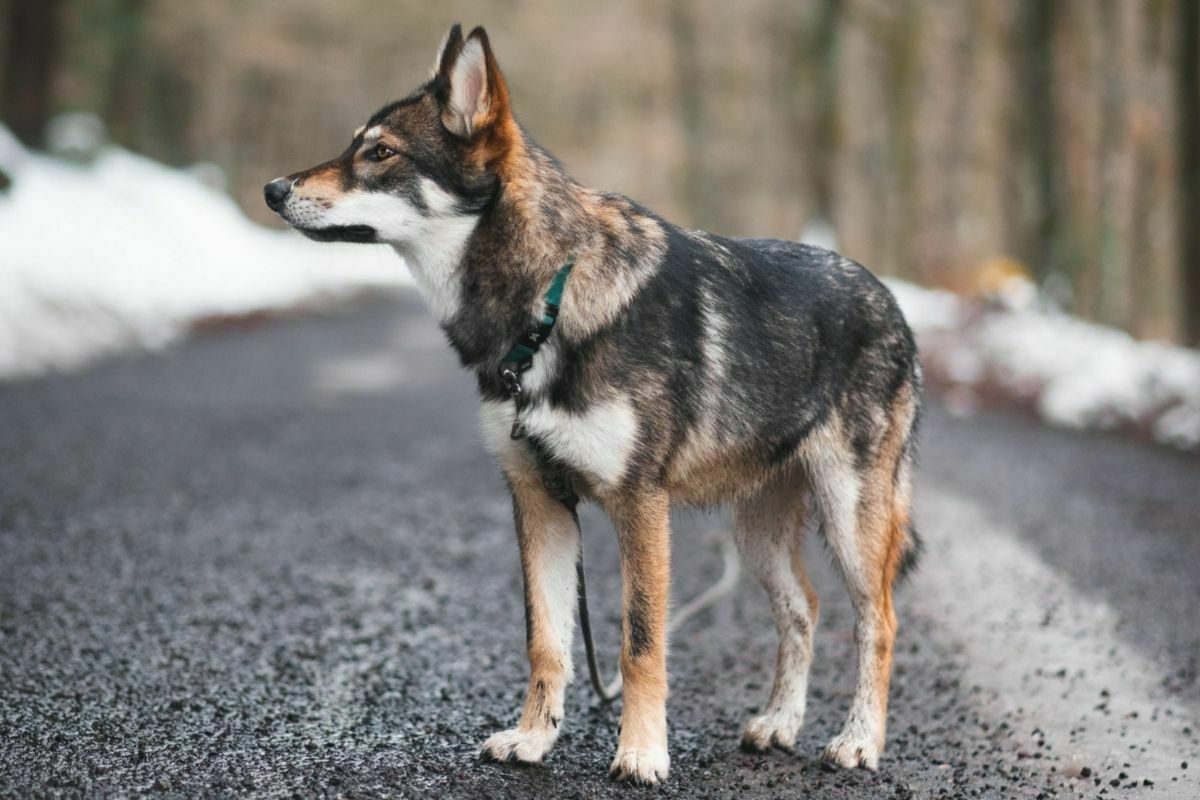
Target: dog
[680,368]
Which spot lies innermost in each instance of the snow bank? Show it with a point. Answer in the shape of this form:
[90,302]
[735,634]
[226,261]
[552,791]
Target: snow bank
[126,253]
[1075,373]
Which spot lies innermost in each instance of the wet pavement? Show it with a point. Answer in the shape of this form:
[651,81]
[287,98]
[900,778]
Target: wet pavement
[275,561]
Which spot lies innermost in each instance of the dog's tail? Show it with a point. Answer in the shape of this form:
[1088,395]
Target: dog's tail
[906,542]
[903,531]
[910,555]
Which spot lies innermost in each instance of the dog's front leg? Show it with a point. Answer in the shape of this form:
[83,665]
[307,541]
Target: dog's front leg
[643,535]
[549,540]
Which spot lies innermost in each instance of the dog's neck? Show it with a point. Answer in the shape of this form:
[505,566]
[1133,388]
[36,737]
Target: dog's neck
[540,217]
[537,219]
[485,275]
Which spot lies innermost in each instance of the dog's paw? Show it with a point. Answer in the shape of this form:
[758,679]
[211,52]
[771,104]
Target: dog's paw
[645,766]
[521,746]
[852,749]
[773,729]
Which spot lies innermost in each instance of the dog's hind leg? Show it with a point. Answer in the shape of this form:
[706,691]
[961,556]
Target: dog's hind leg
[549,541]
[769,530]
[865,521]
[642,524]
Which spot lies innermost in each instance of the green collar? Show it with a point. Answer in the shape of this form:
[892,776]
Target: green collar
[520,358]
[521,354]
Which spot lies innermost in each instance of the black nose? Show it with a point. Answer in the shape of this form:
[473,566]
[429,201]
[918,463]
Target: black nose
[276,192]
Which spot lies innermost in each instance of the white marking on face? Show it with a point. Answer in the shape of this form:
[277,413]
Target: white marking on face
[358,131]
[432,244]
[597,443]
[372,134]
[394,218]
[439,202]
[434,258]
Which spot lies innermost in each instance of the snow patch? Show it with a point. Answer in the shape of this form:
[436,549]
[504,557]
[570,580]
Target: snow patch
[126,253]
[927,309]
[1077,374]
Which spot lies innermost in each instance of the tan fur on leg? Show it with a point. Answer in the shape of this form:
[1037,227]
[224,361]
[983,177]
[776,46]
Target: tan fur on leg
[643,534]
[866,523]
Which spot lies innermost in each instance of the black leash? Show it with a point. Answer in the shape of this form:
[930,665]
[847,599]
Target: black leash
[585,627]
[557,479]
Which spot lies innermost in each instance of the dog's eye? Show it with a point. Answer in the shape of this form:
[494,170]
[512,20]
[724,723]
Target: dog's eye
[382,151]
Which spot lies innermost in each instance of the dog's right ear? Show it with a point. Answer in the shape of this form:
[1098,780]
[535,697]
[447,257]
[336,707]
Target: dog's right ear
[447,51]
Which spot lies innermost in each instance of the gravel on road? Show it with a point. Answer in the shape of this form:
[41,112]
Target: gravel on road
[277,562]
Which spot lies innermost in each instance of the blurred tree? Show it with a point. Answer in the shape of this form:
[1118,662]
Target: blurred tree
[1035,127]
[812,100]
[148,95]
[931,136]
[1188,94]
[693,191]
[902,42]
[124,32]
[26,101]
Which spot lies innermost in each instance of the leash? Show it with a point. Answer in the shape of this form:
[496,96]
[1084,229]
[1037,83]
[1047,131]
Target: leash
[731,569]
[559,483]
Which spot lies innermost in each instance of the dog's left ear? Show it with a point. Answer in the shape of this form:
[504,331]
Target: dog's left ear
[447,51]
[473,93]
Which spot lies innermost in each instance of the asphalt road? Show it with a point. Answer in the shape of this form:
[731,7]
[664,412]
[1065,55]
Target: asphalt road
[276,561]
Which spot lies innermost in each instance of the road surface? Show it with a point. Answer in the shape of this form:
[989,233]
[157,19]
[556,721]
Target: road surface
[276,561]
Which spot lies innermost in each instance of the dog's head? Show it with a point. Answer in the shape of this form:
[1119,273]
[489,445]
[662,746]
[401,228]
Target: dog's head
[432,157]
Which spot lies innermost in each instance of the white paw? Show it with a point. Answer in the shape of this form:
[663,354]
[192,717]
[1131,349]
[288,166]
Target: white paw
[527,747]
[776,728]
[854,748]
[646,766]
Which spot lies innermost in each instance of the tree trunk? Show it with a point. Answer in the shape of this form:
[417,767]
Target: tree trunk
[1036,80]
[825,135]
[125,99]
[1188,96]
[691,114]
[29,60]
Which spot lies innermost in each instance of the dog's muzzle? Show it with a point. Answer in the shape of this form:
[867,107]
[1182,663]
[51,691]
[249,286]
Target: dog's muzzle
[276,193]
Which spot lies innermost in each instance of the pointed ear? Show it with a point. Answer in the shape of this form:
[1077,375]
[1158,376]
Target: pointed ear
[477,96]
[447,51]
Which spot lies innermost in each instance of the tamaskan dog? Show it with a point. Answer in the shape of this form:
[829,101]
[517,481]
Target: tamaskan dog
[682,368]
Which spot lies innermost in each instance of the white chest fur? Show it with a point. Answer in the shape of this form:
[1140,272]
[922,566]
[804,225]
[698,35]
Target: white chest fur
[597,443]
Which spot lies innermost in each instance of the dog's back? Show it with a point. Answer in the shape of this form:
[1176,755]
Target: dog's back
[759,343]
